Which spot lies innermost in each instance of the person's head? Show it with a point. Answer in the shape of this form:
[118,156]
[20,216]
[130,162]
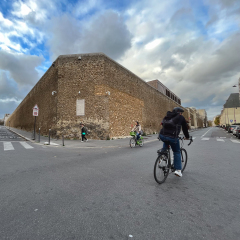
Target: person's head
[178,110]
[137,123]
[81,124]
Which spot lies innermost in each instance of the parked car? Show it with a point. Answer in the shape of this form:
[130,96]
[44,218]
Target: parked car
[230,129]
[238,132]
[234,131]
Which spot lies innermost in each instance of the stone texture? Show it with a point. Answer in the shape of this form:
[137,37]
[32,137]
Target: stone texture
[114,99]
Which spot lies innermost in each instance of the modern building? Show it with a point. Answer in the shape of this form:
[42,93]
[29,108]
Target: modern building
[96,90]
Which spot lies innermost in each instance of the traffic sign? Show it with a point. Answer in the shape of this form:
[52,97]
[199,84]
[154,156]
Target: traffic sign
[35,110]
[231,120]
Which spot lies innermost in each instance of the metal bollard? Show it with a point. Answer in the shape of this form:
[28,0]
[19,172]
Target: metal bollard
[49,136]
[63,140]
[39,135]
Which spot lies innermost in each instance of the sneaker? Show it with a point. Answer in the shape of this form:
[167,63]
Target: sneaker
[178,173]
[81,141]
[86,140]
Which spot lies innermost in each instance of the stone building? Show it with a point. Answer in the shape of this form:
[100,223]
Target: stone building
[203,115]
[5,119]
[231,110]
[163,89]
[94,89]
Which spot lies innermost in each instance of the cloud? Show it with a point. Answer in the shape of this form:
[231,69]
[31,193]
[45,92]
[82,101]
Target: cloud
[7,107]
[105,33]
[22,68]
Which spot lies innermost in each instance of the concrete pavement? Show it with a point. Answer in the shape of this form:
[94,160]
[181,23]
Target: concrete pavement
[91,143]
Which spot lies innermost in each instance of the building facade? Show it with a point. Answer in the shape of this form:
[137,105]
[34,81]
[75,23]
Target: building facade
[164,90]
[231,110]
[94,89]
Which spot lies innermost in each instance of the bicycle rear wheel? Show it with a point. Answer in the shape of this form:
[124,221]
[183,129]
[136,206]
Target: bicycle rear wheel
[161,169]
[132,142]
[184,158]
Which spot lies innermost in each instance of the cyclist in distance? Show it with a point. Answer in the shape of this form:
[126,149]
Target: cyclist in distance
[172,124]
[137,129]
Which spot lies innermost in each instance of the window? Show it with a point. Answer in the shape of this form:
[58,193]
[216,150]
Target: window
[80,107]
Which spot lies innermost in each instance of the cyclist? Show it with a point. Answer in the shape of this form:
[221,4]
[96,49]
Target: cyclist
[137,129]
[172,124]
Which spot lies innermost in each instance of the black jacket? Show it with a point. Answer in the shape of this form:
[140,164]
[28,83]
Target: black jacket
[181,123]
[84,130]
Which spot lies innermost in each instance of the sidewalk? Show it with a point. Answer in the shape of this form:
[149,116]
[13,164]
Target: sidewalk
[91,143]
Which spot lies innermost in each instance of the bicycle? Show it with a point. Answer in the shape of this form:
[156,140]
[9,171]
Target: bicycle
[164,163]
[133,141]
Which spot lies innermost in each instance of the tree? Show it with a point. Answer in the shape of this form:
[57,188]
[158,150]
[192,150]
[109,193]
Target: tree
[217,120]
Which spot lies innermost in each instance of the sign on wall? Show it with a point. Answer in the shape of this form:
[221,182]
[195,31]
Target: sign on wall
[80,107]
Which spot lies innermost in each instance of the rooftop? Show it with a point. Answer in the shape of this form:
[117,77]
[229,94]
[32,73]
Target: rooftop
[233,101]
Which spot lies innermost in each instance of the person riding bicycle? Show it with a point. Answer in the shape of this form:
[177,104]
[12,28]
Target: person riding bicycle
[172,124]
[137,129]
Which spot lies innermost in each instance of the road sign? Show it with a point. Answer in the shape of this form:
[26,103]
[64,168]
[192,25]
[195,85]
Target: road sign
[35,110]
[231,120]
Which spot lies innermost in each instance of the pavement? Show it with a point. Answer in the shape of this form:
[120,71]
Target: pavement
[91,143]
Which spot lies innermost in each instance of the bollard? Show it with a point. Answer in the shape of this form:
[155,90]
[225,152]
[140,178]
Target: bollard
[63,140]
[39,135]
[49,136]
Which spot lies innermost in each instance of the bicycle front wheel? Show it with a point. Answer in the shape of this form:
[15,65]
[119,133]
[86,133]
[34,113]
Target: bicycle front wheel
[184,158]
[132,142]
[141,142]
[161,169]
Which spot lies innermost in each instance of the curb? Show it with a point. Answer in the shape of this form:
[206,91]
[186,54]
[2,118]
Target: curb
[27,139]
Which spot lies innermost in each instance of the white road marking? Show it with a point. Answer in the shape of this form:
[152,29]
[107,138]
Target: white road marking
[220,140]
[26,145]
[8,146]
[206,132]
[235,141]
[205,138]
[222,137]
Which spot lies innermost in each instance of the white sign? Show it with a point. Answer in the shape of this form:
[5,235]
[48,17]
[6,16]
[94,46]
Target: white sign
[35,110]
[80,107]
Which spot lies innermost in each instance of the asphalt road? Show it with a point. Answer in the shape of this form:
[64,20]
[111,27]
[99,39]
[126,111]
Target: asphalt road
[110,193]
[6,135]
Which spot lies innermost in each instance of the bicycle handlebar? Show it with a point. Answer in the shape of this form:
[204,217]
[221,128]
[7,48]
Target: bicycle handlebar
[190,138]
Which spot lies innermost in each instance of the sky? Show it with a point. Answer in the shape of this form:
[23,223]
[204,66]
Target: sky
[192,47]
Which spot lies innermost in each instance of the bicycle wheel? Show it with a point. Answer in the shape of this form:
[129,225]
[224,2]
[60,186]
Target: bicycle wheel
[184,158]
[161,169]
[132,142]
[141,142]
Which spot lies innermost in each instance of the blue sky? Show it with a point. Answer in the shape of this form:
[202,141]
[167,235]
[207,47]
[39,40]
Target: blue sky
[190,46]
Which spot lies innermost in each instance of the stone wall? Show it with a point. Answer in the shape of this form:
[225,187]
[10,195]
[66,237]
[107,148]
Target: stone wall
[114,99]
[41,95]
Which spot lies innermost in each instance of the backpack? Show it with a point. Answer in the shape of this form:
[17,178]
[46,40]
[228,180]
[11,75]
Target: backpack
[170,124]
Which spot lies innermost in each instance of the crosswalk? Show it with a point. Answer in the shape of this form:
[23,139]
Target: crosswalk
[9,146]
[221,139]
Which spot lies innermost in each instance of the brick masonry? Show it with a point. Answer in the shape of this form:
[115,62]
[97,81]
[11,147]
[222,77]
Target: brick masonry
[114,99]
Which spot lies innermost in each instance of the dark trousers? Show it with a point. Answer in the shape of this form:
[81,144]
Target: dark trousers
[84,137]
[175,145]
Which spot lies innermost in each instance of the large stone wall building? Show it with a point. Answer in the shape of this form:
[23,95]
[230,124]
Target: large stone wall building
[94,89]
